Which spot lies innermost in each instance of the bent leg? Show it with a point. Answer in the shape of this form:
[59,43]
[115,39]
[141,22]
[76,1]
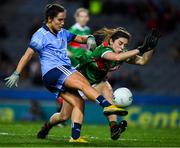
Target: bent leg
[65,113]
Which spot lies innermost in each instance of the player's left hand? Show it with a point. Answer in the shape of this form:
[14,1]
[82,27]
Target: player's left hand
[150,41]
[91,43]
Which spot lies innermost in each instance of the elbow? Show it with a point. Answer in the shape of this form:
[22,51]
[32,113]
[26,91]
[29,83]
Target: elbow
[143,62]
[119,58]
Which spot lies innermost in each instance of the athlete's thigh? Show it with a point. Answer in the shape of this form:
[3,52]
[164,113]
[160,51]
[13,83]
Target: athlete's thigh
[76,80]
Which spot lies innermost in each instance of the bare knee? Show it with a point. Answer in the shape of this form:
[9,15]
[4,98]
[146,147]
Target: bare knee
[65,116]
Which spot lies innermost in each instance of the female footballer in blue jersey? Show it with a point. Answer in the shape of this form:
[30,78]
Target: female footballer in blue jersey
[50,43]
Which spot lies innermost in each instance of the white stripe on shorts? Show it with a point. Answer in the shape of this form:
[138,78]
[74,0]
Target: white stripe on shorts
[67,70]
[64,70]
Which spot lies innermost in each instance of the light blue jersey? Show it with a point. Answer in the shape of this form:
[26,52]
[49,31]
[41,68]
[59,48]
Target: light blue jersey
[51,48]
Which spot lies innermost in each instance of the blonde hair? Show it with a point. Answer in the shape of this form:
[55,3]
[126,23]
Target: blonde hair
[79,10]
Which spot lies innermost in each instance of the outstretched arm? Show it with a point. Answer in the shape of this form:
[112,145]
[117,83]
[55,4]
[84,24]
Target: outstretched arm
[81,39]
[89,40]
[24,60]
[14,78]
[141,60]
[121,56]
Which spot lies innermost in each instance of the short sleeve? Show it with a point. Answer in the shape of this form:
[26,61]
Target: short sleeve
[101,51]
[70,36]
[36,42]
[105,50]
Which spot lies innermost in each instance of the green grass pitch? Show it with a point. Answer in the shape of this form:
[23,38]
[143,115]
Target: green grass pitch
[24,134]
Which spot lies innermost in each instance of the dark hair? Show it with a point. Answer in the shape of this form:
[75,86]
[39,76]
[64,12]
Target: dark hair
[120,33]
[52,11]
[105,34]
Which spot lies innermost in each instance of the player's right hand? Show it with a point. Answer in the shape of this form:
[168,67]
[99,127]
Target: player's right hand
[150,41]
[91,42]
[12,80]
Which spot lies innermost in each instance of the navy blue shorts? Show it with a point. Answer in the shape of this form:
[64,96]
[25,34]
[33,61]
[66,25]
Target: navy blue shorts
[54,79]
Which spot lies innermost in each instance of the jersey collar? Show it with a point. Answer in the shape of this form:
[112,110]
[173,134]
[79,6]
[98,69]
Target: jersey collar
[47,29]
[77,25]
[105,44]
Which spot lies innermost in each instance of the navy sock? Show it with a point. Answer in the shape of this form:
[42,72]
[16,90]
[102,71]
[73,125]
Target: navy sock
[76,130]
[102,101]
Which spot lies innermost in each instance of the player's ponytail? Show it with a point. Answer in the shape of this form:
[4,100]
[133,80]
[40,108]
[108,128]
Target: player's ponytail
[103,34]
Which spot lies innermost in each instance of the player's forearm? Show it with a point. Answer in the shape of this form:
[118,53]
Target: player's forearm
[125,55]
[22,63]
[146,57]
[81,39]
[24,60]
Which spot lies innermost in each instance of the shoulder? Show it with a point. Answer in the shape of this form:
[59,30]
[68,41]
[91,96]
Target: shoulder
[73,26]
[63,30]
[38,39]
[102,49]
[40,32]
[66,32]
[87,28]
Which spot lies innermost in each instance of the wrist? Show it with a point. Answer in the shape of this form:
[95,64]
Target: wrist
[16,73]
[138,50]
[91,36]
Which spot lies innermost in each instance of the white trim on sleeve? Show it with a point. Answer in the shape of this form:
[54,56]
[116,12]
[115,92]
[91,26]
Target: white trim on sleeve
[105,53]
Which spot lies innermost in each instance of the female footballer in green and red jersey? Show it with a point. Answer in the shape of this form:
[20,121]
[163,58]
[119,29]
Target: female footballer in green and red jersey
[96,64]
